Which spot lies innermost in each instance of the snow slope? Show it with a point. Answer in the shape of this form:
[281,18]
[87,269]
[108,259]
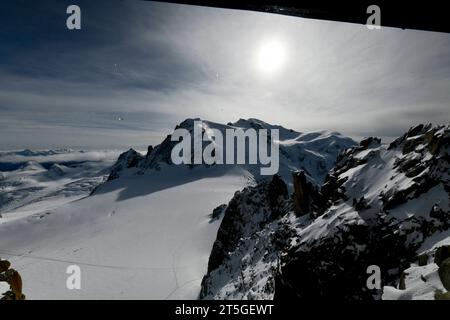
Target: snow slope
[33,181]
[143,237]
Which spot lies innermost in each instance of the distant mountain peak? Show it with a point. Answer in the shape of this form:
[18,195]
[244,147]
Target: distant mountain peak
[314,153]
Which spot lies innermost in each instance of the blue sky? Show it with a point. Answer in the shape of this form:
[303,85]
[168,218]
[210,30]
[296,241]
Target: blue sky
[155,64]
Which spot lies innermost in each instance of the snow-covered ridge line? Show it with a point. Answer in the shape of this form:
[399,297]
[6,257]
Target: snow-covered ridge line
[383,205]
[314,152]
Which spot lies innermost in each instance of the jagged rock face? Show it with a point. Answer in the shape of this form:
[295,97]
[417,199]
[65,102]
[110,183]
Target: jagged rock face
[127,160]
[306,196]
[268,196]
[441,254]
[444,273]
[375,208]
[149,151]
[388,177]
[334,266]
[155,158]
[425,160]
[398,197]
[244,256]
[333,188]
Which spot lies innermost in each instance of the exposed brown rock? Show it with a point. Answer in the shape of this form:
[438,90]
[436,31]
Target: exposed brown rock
[12,277]
[439,295]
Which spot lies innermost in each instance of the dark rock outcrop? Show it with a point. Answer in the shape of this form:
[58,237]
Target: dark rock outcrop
[442,253]
[217,213]
[306,196]
[127,160]
[247,216]
[270,195]
[335,266]
[13,279]
[444,273]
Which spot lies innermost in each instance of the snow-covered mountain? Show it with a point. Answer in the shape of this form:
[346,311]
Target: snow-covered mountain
[32,181]
[313,152]
[382,205]
[147,232]
[155,230]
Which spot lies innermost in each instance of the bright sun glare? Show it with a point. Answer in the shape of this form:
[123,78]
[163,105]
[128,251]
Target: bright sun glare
[271,56]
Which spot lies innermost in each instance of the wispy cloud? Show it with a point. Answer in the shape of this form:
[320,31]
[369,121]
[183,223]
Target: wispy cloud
[154,64]
[66,156]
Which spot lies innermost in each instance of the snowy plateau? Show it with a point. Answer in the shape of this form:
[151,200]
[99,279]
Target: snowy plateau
[140,227]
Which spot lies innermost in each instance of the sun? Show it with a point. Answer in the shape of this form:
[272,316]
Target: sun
[271,57]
